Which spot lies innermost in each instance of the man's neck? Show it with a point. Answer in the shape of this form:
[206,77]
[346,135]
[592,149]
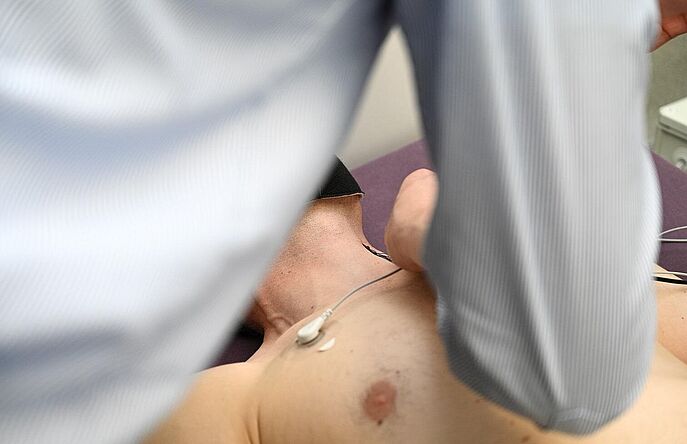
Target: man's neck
[319,284]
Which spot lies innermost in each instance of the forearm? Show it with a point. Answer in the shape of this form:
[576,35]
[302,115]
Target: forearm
[548,203]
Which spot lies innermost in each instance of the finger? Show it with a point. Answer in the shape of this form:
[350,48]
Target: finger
[671,27]
[674,26]
[406,264]
[416,176]
[397,246]
[662,38]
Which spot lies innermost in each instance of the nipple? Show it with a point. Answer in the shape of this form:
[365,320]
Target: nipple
[380,401]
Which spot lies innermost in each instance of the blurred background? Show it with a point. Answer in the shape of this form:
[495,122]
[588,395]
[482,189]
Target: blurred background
[388,118]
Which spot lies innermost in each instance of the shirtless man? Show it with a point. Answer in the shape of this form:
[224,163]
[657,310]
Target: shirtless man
[386,378]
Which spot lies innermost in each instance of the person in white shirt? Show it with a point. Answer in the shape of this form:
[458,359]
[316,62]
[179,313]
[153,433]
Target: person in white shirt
[153,155]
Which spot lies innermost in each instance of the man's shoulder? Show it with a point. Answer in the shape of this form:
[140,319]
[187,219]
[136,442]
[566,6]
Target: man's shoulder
[220,405]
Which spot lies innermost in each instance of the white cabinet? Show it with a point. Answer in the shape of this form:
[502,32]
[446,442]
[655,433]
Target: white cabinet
[671,133]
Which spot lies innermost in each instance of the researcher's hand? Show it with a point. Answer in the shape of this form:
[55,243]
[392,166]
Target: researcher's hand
[410,218]
[673,20]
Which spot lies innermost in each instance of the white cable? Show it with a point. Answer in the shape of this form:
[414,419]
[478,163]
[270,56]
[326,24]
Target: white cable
[676,273]
[310,331]
[684,227]
[672,240]
[366,284]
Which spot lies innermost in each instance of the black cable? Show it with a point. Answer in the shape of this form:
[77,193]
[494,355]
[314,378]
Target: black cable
[670,281]
[377,252]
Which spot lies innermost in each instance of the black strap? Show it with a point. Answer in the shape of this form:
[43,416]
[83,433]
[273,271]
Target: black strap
[340,182]
[670,280]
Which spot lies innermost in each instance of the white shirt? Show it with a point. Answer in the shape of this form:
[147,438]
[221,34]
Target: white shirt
[153,155]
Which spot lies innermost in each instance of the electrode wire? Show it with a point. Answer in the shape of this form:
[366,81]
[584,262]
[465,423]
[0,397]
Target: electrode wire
[366,284]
